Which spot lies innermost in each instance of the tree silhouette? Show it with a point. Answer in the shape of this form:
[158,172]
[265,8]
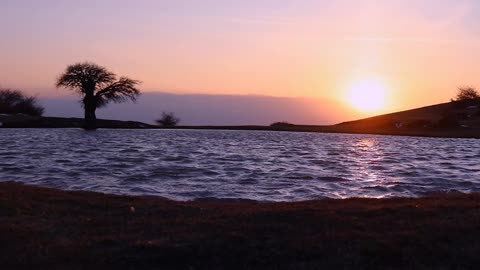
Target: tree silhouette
[168,120]
[98,87]
[14,101]
[467,93]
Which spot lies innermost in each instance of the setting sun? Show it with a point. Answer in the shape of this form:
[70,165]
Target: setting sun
[368,95]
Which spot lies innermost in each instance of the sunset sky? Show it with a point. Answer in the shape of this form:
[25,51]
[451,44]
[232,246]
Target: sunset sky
[414,52]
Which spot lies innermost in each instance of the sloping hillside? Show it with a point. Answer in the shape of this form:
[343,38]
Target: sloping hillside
[453,119]
[452,114]
[446,118]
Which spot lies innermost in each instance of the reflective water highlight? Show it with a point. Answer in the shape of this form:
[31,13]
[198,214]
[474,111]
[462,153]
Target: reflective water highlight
[257,165]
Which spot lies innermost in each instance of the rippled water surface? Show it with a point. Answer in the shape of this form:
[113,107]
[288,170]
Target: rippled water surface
[269,166]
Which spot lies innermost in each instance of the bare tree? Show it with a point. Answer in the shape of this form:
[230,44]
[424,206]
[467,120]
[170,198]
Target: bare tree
[467,93]
[98,87]
[168,120]
[14,101]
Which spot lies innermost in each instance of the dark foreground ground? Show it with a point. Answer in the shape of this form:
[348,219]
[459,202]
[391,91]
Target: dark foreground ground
[50,229]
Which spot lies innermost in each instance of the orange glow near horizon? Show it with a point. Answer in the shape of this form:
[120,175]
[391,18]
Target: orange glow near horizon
[375,56]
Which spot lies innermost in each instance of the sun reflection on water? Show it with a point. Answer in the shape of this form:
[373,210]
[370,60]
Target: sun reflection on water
[367,157]
[270,166]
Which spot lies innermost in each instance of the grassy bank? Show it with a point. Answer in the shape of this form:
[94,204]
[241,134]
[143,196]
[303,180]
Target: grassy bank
[52,229]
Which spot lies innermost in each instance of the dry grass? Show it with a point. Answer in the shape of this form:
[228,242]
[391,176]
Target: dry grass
[50,229]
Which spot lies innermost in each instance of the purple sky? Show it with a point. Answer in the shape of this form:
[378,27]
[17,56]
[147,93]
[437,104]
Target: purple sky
[420,50]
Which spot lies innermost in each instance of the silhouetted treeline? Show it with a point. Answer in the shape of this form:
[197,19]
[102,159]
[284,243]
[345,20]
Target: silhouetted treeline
[15,102]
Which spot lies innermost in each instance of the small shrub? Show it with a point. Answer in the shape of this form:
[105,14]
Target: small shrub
[467,94]
[15,102]
[281,125]
[168,120]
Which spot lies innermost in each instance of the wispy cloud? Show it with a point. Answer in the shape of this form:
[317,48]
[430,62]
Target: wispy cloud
[259,20]
[426,40]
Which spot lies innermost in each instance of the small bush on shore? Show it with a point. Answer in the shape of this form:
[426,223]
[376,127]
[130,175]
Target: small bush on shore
[16,102]
[281,125]
[168,120]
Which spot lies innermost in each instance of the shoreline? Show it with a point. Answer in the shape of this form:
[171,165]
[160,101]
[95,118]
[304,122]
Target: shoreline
[49,228]
[452,134]
[459,119]
[441,134]
[383,127]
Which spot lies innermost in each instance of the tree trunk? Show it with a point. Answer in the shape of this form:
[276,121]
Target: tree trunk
[90,117]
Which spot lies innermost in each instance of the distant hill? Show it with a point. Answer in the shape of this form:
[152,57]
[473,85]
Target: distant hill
[453,119]
[452,115]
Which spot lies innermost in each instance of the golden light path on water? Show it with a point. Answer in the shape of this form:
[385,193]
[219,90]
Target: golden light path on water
[367,156]
[254,165]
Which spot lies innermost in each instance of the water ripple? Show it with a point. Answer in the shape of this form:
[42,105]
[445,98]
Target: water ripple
[254,165]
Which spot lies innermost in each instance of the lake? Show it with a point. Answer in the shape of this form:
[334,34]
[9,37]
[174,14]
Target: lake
[256,165]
